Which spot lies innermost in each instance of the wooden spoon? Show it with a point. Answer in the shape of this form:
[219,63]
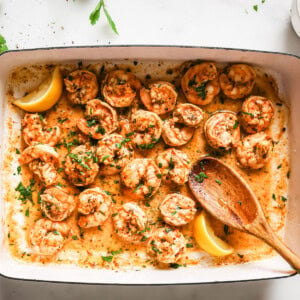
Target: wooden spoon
[226,196]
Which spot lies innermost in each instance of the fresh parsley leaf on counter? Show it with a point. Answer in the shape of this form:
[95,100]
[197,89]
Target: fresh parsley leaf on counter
[95,16]
[3,46]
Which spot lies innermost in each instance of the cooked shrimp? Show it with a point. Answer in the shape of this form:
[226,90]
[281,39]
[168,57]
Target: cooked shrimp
[119,88]
[141,178]
[167,245]
[81,165]
[125,128]
[253,150]
[113,154]
[100,119]
[222,130]
[174,166]
[257,113]
[146,129]
[160,97]
[47,237]
[237,81]
[188,114]
[174,134]
[56,204]
[130,223]
[41,160]
[200,83]
[177,210]
[81,86]
[34,131]
[94,207]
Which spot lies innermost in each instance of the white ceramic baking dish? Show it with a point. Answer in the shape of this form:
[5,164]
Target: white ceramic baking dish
[286,69]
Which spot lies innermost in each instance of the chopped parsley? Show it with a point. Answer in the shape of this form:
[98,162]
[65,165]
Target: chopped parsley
[27,212]
[91,122]
[246,113]
[60,120]
[107,258]
[75,158]
[218,182]
[200,177]
[138,187]
[201,90]
[144,238]
[25,192]
[283,198]
[226,229]
[236,124]
[116,252]
[149,194]
[104,158]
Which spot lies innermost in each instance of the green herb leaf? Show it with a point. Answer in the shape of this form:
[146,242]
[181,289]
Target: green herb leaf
[283,198]
[201,90]
[105,157]
[255,7]
[236,124]
[95,14]
[200,177]
[138,187]
[189,245]
[144,238]
[27,212]
[226,228]
[116,252]
[107,258]
[25,192]
[246,113]
[110,21]
[3,46]
[174,265]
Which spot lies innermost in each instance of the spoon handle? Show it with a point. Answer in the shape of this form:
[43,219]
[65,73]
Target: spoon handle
[274,241]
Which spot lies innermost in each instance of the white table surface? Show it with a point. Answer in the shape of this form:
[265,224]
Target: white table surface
[230,23]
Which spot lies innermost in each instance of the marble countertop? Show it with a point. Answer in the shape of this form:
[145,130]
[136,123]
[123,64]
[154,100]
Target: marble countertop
[230,23]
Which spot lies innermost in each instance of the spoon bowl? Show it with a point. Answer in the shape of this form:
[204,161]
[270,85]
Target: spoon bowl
[228,197]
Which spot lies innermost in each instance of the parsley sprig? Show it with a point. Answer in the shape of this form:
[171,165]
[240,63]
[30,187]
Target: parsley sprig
[3,46]
[95,16]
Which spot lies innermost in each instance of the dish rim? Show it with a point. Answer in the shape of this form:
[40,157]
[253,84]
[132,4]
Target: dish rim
[149,46]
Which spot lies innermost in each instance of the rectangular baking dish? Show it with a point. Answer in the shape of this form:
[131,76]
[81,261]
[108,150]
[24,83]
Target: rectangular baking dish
[286,70]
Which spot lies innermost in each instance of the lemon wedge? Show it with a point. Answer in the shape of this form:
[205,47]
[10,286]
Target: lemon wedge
[206,238]
[44,96]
